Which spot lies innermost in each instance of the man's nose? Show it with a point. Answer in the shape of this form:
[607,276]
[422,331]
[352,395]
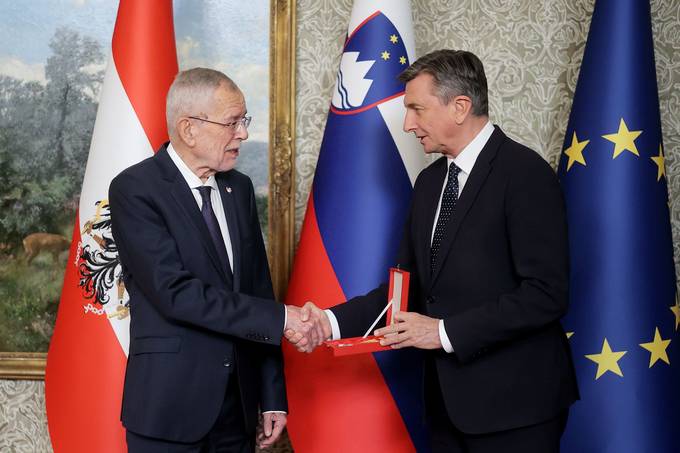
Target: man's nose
[409,123]
[241,132]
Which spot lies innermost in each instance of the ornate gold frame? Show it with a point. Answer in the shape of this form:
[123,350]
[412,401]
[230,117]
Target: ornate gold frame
[21,365]
[281,143]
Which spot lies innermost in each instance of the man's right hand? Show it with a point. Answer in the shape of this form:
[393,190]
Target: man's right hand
[307,327]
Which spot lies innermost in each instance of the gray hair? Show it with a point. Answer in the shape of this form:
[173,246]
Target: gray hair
[455,73]
[191,91]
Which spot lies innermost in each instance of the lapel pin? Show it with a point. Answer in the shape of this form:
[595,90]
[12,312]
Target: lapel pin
[228,189]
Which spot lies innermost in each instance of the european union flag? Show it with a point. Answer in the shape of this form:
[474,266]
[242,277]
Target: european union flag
[624,314]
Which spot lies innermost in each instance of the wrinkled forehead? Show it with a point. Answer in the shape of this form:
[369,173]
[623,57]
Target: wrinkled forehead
[226,100]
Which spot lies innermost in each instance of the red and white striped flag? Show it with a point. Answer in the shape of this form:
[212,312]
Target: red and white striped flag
[87,355]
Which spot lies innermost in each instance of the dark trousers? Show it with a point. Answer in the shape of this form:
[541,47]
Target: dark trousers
[228,435]
[446,438]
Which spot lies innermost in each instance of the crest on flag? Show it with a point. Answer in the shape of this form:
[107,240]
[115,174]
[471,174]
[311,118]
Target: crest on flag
[373,55]
[99,269]
[351,87]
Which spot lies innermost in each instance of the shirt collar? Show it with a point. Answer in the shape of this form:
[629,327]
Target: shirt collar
[468,156]
[189,176]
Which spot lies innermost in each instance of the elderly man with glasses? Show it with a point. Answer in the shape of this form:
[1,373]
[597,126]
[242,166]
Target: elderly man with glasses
[205,332]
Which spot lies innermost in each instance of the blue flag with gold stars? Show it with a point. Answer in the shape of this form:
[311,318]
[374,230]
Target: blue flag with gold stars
[624,315]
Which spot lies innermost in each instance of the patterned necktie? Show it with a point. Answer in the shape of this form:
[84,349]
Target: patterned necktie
[214,227]
[447,209]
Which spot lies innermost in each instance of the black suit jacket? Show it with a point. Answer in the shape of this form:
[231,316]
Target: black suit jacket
[192,327]
[500,284]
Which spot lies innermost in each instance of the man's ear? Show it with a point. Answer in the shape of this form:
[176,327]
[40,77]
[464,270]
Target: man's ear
[186,131]
[460,107]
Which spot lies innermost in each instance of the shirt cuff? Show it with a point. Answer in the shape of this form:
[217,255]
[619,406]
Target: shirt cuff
[335,327]
[444,338]
[285,318]
[275,412]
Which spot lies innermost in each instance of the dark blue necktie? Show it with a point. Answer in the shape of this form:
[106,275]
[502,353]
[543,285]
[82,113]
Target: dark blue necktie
[214,227]
[449,199]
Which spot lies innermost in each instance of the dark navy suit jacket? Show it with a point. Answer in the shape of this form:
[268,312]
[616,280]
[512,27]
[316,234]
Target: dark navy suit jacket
[193,328]
[500,284]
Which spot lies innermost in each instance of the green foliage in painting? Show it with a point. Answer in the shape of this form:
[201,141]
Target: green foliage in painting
[45,133]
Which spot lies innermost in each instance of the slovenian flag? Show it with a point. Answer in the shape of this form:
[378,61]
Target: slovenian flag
[88,351]
[354,221]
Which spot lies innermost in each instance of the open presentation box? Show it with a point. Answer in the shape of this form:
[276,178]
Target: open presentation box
[397,301]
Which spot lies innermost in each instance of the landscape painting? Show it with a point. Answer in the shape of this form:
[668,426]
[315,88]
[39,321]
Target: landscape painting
[52,61]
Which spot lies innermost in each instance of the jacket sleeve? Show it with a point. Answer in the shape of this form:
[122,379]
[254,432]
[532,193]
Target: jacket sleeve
[150,254]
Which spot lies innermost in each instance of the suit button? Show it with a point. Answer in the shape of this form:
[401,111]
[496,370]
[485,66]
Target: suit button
[429,300]
[226,363]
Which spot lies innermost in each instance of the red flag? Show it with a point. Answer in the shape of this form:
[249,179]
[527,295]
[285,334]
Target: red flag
[87,355]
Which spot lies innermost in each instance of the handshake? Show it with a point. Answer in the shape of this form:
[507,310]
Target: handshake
[306,327]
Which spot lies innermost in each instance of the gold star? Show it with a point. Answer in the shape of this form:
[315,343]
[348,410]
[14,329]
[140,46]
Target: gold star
[676,311]
[385,55]
[661,163]
[402,60]
[569,335]
[657,348]
[624,140]
[394,39]
[575,151]
[607,360]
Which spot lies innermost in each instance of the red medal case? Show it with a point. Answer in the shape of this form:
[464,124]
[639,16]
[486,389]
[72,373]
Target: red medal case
[398,295]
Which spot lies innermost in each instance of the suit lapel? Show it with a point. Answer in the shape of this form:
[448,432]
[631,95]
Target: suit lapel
[475,181]
[227,196]
[181,192]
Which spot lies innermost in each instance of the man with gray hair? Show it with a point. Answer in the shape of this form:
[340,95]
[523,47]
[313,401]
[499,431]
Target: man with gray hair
[486,245]
[205,332]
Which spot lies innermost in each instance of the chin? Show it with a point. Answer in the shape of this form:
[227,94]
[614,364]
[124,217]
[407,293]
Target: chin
[226,167]
[226,164]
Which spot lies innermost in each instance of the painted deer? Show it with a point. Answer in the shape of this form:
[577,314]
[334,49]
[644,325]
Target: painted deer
[44,242]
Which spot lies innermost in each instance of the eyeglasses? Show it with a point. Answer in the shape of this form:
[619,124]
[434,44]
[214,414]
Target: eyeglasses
[233,126]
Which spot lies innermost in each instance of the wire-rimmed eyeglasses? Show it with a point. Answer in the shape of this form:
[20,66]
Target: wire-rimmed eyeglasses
[233,125]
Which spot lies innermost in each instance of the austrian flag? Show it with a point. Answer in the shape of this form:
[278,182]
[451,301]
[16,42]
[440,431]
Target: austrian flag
[87,355]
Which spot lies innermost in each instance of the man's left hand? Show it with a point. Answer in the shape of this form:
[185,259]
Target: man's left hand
[272,427]
[411,329]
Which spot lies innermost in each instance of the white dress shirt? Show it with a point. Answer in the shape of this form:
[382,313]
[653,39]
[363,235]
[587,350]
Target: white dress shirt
[465,161]
[215,199]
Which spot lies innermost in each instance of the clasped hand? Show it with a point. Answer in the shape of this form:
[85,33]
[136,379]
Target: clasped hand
[306,327]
